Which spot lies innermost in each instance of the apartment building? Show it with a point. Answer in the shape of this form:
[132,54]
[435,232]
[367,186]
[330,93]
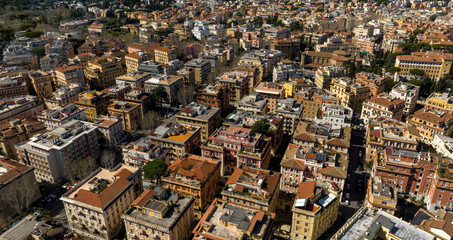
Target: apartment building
[214,96]
[291,111]
[141,152]
[314,211]
[164,55]
[375,82]
[81,59]
[254,103]
[337,116]
[201,68]
[408,93]
[254,188]
[312,100]
[68,75]
[440,101]
[179,139]
[382,194]
[159,214]
[111,127]
[18,131]
[288,46]
[324,75]
[332,44]
[95,205]
[206,117]
[53,153]
[434,64]
[64,95]
[236,146]
[195,177]
[226,220]
[21,107]
[12,86]
[252,72]
[17,181]
[349,92]
[263,59]
[101,72]
[94,103]
[55,117]
[429,123]
[273,92]
[383,105]
[42,84]
[134,79]
[171,83]
[130,113]
[134,59]
[236,85]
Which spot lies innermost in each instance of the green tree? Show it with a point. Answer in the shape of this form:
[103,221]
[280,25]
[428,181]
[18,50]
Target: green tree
[389,84]
[155,169]
[261,126]
[417,72]
[432,18]
[39,51]
[393,70]
[6,34]
[31,34]
[160,94]
[258,21]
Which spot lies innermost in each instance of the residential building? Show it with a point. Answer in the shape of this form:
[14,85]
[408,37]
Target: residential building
[312,99]
[164,55]
[55,117]
[54,153]
[134,79]
[225,220]
[434,64]
[195,177]
[291,111]
[171,83]
[332,44]
[134,59]
[159,214]
[325,74]
[373,225]
[236,85]
[408,93]
[21,107]
[111,127]
[81,59]
[17,181]
[179,139]
[141,152]
[68,75]
[16,132]
[254,103]
[206,117]
[349,92]
[64,95]
[254,188]
[214,96]
[429,123]
[284,71]
[288,46]
[201,68]
[264,59]
[375,82]
[101,72]
[98,45]
[139,96]
[440,101]
[42,84]
[12,87]
[236,146]
[118,91]
[94,103]
[95,205]
[130,113]
[313,59]
[253,73]
[273,92]
[382,195]
[314,211]
[337,116]
[98,29]
[439,224]
[382,105]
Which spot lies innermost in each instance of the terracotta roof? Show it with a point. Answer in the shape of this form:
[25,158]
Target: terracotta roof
[385,102]
[163,49]
[334,171]
[289,160]
[337,142]
[270,179]
[305,137]
[194,167]
[143,198]
[134,55]
[306,190]
[14,169]
[432,117]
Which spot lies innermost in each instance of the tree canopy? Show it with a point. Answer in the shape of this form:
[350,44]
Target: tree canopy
[155,169]
[261,126]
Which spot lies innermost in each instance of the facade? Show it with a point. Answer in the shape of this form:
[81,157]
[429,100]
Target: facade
[54,153]
[195,177]
[64,95]
[292,113]
[201,68]
[337,116]
[254,188]
[408,93]
[18,131]
[164,55]
[225,220]
[17,181]
[134,79]
[206,117]
[130,113]
[134,59]
[111,127]
[382,106]
[434,64]
[171,83]
[382,194]
[254,103]
[273,92]
[141,152]
[159,214]
[12,87]
[95,205]
[440,101]
[350,93]
[22,107]
[236,85]
[375,82]
[325,74]
[55,117]
[101,72]
[68,75]
[94,103]
[177,138]
[237,146]
[42,84]
[214,96]
[429,123]
[314,211]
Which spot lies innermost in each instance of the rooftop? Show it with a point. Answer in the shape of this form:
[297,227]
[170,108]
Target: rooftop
[10,169]
[198,111]
[192,170]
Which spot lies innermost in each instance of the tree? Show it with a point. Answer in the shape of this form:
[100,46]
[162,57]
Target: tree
[155,169]
[151,120]
[108,159]
[186,94]
[80,168]
[258,21]
[417,72]
[31,34]
[160,95]
[39,52]
[393,70]
[433,18]
[389,84]
[6,34]
[261,126]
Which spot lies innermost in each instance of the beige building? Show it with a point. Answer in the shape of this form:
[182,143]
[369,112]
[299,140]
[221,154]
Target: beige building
[42,84]
[429,123]
[101,72]
[21,107]
[67,75]
[440,101]
[434,64]
[273,92]
[408,93]
[94,103]
[314,211]
[350,93]
[134,59]
[164,55]
[171,83]
[382,105]
[206,117]
[18,131]
[382,194]
[159,214]
[130,113]
[95,205]
[236,84]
